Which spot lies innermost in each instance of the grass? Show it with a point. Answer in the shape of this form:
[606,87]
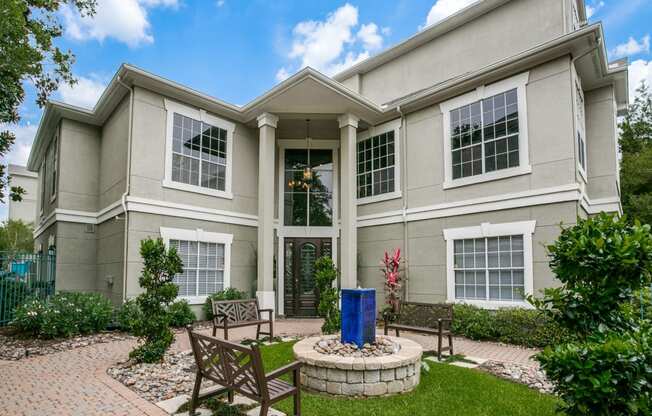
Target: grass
[445,389]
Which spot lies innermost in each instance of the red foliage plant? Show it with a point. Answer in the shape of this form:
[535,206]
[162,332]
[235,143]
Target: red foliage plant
[393,280]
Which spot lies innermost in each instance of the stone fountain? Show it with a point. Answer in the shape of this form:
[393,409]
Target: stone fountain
[359,363]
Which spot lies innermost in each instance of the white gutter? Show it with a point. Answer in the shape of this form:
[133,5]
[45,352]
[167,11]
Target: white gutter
[406,242]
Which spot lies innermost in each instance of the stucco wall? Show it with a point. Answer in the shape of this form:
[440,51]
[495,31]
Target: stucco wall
[550,141]
[79,161]
[426,255]
[148,161]
[113,157]
[601,144]
[110,256]
[76,257]
[24,210]
[243,248]
[509,29]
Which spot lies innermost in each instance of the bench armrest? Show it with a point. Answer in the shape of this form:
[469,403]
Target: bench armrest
[216,317]
[269,311]
[285,369]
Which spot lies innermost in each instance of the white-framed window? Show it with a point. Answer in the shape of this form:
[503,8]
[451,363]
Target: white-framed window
[485,133]
[490,265]
[378,176]
[41,176]
[206,260]
[575,15]
[580,126]
[198,151]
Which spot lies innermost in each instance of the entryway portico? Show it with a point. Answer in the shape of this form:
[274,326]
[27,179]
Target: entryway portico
[318,166]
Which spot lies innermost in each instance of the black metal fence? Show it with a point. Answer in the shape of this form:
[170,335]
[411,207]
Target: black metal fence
[24,276]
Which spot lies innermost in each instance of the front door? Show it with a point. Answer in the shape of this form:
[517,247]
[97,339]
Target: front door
[300,257]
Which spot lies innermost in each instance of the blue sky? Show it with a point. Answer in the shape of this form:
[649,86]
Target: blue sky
[236,50]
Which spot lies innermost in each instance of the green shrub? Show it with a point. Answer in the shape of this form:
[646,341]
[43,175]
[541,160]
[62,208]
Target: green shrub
[181,314]
[160,267]
[64,315]
[129,315]
[325,276]
[611,375]
[601,262]
[526,327]
[227,294]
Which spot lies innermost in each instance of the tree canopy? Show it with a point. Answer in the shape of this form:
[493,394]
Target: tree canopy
[28,30]
[636,165]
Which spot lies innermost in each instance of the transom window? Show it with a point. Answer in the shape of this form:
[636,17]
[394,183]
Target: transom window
[203,267]
[308,194]
[489,268]
[199,153]
[376,165]
[484,135]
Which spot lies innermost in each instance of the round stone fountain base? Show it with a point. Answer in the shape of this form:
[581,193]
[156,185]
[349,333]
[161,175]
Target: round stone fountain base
[360,376]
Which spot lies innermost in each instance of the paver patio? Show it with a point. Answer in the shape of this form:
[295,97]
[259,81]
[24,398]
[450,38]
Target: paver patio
[75,382]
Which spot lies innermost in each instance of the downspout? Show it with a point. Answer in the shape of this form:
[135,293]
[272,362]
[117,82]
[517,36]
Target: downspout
[403,162]
[127,188]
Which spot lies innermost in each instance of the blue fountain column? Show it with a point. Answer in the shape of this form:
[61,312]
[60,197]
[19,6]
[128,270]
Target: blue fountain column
[358,316]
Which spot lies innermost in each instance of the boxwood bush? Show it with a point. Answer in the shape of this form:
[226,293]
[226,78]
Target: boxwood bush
[226,294]
[525,327]
[64,314]
[130,314]
[181,314]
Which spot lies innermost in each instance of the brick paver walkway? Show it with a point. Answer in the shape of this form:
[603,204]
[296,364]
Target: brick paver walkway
[75,382]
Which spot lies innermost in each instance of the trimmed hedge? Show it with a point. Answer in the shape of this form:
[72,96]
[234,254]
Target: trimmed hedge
[130,314]
[227,294]
[64,314]
[525,327]
[181,314]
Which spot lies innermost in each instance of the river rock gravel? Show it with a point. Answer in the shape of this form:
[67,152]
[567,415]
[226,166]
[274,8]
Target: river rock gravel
[16,348]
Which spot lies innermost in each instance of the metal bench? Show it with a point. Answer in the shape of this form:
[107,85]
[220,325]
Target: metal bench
[238,368]
[238,313]
[426,318]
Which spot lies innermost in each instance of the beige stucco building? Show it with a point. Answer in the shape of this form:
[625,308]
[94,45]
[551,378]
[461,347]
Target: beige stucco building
[465,146]
[25,209]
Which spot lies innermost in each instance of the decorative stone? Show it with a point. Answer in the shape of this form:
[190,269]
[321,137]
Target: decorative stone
[372,376]
[344,369]
[375,389]
[395,386]
[387,375]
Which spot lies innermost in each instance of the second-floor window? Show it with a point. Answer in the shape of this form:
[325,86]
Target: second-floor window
[376,161]
[198,154]
[484,135]
[580,126]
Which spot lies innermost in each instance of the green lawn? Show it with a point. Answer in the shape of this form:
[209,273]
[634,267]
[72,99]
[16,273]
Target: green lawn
[444,390]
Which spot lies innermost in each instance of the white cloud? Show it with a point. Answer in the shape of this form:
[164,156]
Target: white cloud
[220,3]
[444,8]
[124,20]
[592,9]
[639,70]
[84,93]
[631,47]
[370,37]
[19,152]
[333,44]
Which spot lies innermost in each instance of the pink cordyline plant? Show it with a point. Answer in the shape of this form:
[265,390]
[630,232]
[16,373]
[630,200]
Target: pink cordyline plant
[390,266]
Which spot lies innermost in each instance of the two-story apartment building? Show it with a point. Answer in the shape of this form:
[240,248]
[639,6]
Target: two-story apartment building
[465,146]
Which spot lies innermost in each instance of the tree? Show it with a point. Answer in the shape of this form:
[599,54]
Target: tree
[636,165]
[325,276]
[28,29]
[153,327]
[15,235]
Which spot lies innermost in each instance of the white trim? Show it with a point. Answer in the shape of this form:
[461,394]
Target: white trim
[524,228]
[565,193]
[200,235]
[394,125]
[308,143]
[201,115]
[348,119]
[151,206]
[147,206]
[267,119]
[518,82]
[596,206]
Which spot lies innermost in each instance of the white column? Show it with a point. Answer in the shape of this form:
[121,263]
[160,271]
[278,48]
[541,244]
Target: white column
[267,146]
[348,234]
